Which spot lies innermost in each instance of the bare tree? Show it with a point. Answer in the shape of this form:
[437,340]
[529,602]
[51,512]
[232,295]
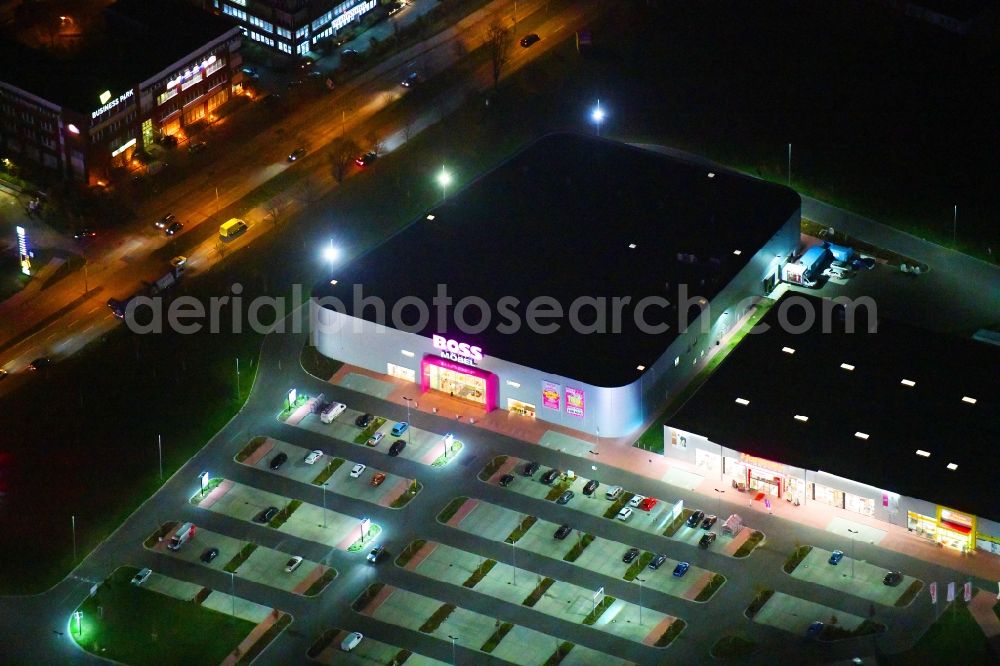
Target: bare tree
[221,248]
[374,141]
[498,40]
[273,209]
[342,154]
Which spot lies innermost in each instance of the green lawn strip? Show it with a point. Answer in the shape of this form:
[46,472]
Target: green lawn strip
[618,505]
[199,495]
[365,597]
[404,499]
[558,489]
[161,531]
[560,653]
[537,593]
[519,531]
[795,559]
[327,471]
[672,632]
[401,657]
[834,632]
[287,411]
[451,509]
[480,573]
[678,520]
[914,589]
[497,636]
[638,564]
[251,446]
[594,615]
[285,513]
[134,625]
[322,643]
[361,544]
[320,583]
[202,595]
[435,620]
[758,602]
[370,430]
[710,589]
[245,552]
[752,542]
[491,468]
[577,550]
[317,365]
[955,638]
[409,551]
[446,458]
[265,639]
[811,228]
[733,647]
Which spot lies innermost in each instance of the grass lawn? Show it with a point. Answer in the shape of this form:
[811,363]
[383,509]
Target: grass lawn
[140,626]
[954,639]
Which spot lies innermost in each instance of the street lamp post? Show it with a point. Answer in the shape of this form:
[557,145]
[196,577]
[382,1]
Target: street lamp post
[641,581]
[721,493]
[513,557]
[324,499]
[954,226]
[453,639]
[408,401]
[853,534]
[789,172]
[232,590]
[73,521]
[237,378]
[159,449]
[444,179]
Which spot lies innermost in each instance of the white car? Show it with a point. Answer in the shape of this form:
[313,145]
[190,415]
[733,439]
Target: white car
[293,564]
[313,457]
[357,471]
[141,577]
[624,514]
[351,641]
[613,492]
[636,501]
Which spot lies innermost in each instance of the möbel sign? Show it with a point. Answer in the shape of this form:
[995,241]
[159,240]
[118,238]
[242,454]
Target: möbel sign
[461,352]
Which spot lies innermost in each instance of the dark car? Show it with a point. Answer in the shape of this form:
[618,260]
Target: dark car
[397,447]
[39,363]
[165,221]
[815,629]
[376,554]
[591,486]
[506,480]
[251,72]
[630,555]
[528,40]
[168,140]
[209,555]
[550,476]
[296,154]
[708,522]
[85,233]
[349,54]
[278,460]
[681,569]
[411,80]
[566,497]
[695,518]
[174,228]
[529,468]
[657,562]
[892,579]
[273,98]
[563,531]
[364,420]
[866,263]
[707,540]
[366,159]
[266,515]
[835,557]
[197,147]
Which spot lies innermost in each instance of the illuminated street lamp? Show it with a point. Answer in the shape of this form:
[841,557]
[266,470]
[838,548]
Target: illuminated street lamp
[597,115]
[78,616]
[444,180]
[331,254]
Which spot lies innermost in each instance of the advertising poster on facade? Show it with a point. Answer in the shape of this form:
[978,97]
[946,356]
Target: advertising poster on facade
[574,401]
[551,394]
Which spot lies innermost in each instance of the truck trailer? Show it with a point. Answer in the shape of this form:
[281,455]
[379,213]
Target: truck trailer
[119,306]
[808,268]
[183,534]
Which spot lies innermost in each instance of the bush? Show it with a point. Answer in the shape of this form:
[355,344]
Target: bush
[404,499]
[578,549]
[559,654]
[202,595]
[618,505]
[240,557]
[672,632]
[755,539]
[411,549]
[491,468]
[320,583]
[795,559]
[710,589]
[251,446]
[497,636]
[758,602]
[537,593]
[327,471]
[451,509]
[558,489]
[914,589]
[435,620]
[480,573]
[521,529]
[284,514]
[370,430]
[366,597]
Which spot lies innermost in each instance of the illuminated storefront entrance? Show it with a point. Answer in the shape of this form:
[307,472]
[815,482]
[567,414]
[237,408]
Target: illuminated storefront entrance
[950,528]
[459,381]
[763,476]
[521,408]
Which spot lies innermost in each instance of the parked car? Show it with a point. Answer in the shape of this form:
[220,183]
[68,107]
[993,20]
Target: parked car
[591,486]
[563,531]
[165,221]
[85,233]
[174,228]
[411,79]
[648,503]
[197,147]
[364,420]
[815,629]
[297,153]
[313,456]
[375,439]
[865,263]
[209,555]
[278,460]
[397,447]
[377,479]
[375,554]
[351,641]
[142,576]
[636,501]
[614,492]
[528,40]
[566,497]
[657,562]
[357,470]
[506,480]
[835,557]
[550,476]
[707,540]
[3,373]
[681,569]
[293,564]
[695,518]
[892,578]
[179,264]
[529,468]
[266,515]
[251,72]
[366,159]
[624,514]
[630,555]
[708,522]
[39,363]
[168,141]
[400,428]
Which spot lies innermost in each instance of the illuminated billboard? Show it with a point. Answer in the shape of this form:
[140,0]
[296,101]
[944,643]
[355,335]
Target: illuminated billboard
[551,394]
[574,401]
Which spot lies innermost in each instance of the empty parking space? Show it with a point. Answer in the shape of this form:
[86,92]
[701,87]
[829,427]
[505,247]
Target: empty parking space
[863,580]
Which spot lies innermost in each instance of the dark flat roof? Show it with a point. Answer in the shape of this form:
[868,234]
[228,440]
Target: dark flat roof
[138,38]
[556,220]
[898,419]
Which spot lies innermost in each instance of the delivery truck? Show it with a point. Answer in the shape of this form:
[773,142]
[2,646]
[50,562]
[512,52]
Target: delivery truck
[183,534]
[232,229]
[119,306]
[807,270]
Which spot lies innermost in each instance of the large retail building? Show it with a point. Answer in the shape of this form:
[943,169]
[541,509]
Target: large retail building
[899,424]
[571,270]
